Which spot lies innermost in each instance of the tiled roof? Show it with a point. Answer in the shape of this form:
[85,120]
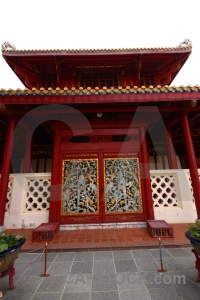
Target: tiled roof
[99,91]
[178,48]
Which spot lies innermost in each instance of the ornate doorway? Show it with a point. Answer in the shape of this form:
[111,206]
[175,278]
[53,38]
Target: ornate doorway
[101,187]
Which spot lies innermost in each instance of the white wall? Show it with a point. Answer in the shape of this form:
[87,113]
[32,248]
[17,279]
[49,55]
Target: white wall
[18,216]
[185,212]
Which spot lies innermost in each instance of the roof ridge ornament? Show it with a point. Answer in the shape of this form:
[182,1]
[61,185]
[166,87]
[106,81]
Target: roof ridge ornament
[7,46]
[185,43]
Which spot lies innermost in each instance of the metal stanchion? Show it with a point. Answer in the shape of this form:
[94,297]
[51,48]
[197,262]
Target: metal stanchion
[45,263]
[161,262]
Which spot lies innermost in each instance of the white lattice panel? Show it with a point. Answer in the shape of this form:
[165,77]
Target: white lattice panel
[190,183]
[9,192]
[38,194]
[164,191]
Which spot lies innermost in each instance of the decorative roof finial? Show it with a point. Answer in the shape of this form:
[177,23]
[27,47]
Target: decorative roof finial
[7,46]
[185,43]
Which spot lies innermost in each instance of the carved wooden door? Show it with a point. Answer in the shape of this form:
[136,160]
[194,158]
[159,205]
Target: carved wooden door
[122,189]
[100,187]
[80,186]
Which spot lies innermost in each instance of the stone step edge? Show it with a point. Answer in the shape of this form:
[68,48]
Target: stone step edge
[103,226]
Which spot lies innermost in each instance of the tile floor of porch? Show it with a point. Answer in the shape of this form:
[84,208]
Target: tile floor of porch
[115,238]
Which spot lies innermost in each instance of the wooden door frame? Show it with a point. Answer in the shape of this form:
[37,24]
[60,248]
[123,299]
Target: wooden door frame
[62,149]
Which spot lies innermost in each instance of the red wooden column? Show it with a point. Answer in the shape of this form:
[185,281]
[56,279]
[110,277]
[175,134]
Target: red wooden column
[171,150]
[54,211]
[5,171]
[146,176]
[27,155]
[192,162]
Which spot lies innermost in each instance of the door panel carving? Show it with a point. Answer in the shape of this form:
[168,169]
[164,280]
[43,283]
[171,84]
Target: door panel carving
[122,185]
[80,186]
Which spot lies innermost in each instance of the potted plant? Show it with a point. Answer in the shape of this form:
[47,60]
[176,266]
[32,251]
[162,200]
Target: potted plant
[193,234]
[10,246]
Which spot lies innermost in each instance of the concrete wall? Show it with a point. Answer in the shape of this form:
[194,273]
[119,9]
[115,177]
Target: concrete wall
[28,198]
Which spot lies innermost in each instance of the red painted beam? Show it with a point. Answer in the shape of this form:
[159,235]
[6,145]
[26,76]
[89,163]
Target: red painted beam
[100,98]
[56,188]
[27,156]
[144,164]
[192,162]
[6,169]
[171,150]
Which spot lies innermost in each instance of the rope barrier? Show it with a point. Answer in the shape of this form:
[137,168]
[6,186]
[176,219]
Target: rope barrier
[161,261]
[161,247]
[174,262]
[45,262]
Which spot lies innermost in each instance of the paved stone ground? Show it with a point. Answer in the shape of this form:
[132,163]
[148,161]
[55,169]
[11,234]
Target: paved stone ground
[105,275]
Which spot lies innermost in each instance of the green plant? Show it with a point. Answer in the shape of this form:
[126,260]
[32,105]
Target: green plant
[8,241]
[194,231]
[198,222]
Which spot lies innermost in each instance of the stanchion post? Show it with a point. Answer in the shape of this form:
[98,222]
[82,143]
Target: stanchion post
[45,263]
[161,262]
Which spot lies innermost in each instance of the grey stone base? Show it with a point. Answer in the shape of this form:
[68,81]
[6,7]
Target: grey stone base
[103,226]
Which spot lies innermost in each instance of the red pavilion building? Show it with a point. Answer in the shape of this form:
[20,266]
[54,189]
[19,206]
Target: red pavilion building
[96,120]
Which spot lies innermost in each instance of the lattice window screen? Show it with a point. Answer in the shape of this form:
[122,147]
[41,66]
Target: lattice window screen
[164,191]
[190,183]
[38,194]
[147,79]
[9,193]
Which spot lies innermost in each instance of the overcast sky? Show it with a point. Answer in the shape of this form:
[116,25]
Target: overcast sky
[92,24]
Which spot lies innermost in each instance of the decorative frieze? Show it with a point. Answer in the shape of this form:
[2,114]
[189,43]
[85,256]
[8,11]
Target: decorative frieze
[102,138]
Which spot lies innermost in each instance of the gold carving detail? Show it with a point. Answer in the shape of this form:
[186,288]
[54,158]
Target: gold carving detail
[80,186]
[80,155]
[122,185]
[100,138]
[132,154]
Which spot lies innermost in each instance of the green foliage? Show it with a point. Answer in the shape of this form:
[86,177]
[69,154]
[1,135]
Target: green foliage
[198,222]
[8,241]
[194,231]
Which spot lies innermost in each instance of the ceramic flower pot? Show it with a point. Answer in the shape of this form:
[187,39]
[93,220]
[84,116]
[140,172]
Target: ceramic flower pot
[195,242]
[7,259]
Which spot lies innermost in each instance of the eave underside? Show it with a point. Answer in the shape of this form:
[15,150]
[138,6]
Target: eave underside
[32,68]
